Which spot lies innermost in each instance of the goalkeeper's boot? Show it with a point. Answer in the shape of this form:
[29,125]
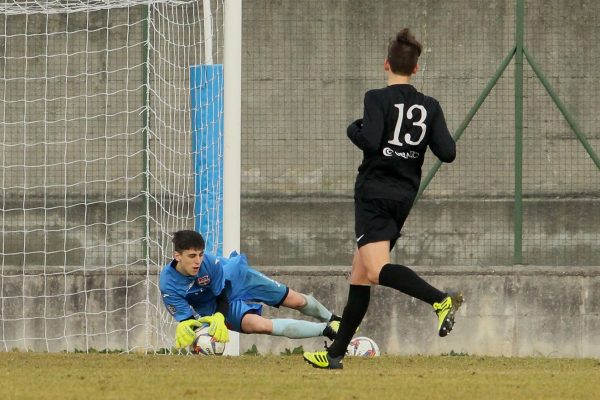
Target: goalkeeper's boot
[335,318]
[445,310]
[322,359]
[331,330]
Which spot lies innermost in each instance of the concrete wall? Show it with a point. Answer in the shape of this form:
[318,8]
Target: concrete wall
[509,311]
[469,232]
[99,235]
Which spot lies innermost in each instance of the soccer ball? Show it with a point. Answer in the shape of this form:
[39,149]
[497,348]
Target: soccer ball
[363,346]
[205,344]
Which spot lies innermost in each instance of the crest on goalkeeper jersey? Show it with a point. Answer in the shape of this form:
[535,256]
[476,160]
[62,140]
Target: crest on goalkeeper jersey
[204,280]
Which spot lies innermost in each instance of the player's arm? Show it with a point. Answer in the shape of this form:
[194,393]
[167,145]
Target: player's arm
[441,144]
[218,329]
[185,332]
[180,309]
[366,133]
[223,304]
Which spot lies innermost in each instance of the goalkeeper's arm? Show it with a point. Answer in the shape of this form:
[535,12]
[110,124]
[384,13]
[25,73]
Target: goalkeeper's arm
[218,329]
[184,333]
[223,304]
[185,329]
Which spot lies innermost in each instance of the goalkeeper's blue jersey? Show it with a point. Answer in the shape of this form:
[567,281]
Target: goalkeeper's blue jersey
[191,296]
[187,296]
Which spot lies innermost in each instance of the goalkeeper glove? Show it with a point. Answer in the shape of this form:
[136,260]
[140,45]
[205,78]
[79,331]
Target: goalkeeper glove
[184,333]
[217,329]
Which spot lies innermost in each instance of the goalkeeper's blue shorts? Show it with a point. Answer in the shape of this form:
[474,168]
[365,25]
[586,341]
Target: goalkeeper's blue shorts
[249,288]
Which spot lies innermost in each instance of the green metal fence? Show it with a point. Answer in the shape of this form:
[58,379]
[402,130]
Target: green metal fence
[518,52]
[518,83]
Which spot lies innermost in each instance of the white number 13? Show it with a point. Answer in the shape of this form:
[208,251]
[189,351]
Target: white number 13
[409,114]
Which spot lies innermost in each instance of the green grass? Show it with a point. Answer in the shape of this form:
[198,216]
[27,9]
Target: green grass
[111,376]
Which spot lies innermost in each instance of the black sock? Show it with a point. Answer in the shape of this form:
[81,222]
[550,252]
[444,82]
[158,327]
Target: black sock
[355,310]
[407,281]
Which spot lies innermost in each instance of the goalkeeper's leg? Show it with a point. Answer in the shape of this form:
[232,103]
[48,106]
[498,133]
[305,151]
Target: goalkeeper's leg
[290,328]
[260,288]
[309,306]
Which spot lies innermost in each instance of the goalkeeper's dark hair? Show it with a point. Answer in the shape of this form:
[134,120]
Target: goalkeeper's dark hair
[403,52]
[186,240]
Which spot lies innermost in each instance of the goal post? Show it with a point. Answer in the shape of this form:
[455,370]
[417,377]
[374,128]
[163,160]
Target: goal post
[99,156]
[232,165]
[233,122]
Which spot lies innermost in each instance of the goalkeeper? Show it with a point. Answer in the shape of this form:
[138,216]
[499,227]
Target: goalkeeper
[227,294]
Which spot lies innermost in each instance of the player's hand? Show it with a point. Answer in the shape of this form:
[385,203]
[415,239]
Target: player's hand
[358,123]
[184,333]
[217,329]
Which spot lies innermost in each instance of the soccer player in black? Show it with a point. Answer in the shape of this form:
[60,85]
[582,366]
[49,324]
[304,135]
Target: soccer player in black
[397,126]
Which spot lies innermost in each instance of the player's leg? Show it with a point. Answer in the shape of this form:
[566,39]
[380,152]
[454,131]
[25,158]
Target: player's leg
[356,307]
[374,256]
[368,229]
[308,305]
[261,288]
[359,296]
[368,221]
[405,280]
[446,311]
[254,323]
[290,328]
[311,307]
[380,270]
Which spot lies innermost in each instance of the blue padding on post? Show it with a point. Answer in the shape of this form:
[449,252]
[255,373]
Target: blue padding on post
[206,92]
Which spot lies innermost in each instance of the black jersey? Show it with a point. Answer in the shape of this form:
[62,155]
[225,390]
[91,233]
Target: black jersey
[398,124]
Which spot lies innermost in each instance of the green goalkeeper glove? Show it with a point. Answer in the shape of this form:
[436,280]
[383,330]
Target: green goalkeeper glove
[217,329]
[184,333]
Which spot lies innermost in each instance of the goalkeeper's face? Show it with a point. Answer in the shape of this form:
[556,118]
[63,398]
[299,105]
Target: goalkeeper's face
[189,261]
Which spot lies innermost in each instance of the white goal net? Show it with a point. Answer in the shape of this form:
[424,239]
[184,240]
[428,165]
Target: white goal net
[110,123]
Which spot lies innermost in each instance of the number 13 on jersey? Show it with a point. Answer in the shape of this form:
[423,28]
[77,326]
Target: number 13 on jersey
[409,115]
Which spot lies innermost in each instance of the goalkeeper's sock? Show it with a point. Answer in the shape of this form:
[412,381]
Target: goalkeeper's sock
[407,281]
[355,310]
[313,308]
[297,329]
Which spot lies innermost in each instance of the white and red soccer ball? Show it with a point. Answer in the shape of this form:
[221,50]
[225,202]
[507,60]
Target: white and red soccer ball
[363,346]
[206,345]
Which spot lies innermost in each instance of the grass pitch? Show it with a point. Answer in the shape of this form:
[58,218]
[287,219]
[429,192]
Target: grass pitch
[111,376]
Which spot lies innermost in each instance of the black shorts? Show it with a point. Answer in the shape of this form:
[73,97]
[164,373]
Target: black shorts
[376,220]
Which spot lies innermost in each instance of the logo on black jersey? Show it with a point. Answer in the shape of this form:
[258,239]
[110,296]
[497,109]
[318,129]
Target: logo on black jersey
[404,154]
[203,280]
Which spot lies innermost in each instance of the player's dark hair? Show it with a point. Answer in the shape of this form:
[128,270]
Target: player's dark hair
[186,240]
[403,52]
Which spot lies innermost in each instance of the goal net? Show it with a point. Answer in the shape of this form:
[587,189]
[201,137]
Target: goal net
[111,126]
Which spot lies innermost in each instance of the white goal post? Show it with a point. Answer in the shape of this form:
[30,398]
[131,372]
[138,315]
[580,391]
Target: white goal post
[116,118]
